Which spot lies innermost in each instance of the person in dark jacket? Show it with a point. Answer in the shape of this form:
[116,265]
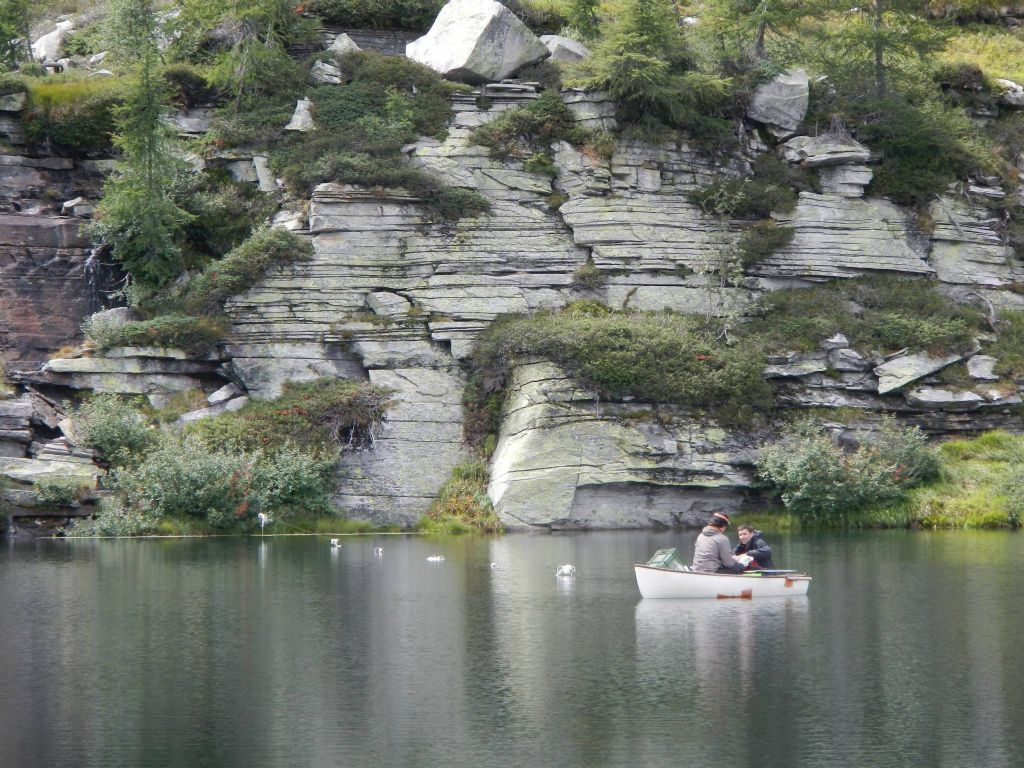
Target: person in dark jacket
[752,543]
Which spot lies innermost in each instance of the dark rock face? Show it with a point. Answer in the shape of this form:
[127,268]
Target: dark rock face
[44,285]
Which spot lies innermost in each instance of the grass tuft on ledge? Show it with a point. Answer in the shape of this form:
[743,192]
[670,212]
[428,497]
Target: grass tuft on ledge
[462,505]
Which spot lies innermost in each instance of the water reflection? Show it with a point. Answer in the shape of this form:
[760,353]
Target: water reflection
[288,652]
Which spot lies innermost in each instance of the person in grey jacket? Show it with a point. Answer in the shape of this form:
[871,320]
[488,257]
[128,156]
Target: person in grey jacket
[712,553]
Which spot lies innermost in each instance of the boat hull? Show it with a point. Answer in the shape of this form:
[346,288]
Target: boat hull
[657,582]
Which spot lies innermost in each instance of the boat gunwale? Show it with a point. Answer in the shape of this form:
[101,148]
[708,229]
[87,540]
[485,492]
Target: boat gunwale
[793,576]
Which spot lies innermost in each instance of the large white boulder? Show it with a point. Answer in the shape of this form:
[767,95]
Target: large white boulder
[47,47]
[781,104]
[477,41]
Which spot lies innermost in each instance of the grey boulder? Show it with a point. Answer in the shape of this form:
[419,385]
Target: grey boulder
[781,104]
[302,119]
[344,45]
[818,151]
[477,41]
[564,48]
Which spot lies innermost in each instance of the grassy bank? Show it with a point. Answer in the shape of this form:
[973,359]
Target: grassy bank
[980,485]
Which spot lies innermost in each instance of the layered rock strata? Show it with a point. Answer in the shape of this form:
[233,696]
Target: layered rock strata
[564,460]
[48,284]
[392,297]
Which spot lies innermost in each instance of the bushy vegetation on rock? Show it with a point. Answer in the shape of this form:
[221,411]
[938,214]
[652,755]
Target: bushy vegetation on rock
[277,457]
[73,115]
[59,491]
[880,313]
[115,427]
[316,415]
[528,131]
[198,335]
[241,268]
[652,356]
[380,14]
[363,125]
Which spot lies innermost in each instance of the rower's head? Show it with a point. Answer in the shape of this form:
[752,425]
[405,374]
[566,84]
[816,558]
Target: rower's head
[719,520]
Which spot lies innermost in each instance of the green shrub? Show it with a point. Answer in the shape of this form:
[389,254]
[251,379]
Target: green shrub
[750,197]
[521,131]
[103,331]
[978,486]
[198,335]
[182,477]
[1009,344]
[453,203]
[188,86]
[761,240]
[589,276]
[258,127]
[819,481]
[12,83]
[363,125]
[58,491]
[242,268]
[115,427]
[223,214]
[114,519]
[84,41]
[315,415]
[924,149]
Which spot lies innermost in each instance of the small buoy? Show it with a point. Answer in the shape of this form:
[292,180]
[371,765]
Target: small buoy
[435,558]
[378,551]
[335,543]
[495,566]
[565,570]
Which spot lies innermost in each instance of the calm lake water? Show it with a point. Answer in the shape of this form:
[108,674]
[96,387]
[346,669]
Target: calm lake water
[908,651]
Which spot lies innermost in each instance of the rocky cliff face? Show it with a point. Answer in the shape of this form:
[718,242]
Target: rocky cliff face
[48,282]
[391,297]
[395,298]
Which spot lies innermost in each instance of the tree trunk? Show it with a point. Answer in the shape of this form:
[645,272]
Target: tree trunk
[877,25]
[762,27]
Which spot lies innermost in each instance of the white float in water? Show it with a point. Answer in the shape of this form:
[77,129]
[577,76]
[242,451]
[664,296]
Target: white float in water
[565,570]
[495,566]
[378,551]
[435,559]
[335,542]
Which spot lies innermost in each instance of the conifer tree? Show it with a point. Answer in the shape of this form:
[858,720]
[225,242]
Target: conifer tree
[868,44]
[739,29]
[258,32]
[638,54]
[138,217]
[14,33]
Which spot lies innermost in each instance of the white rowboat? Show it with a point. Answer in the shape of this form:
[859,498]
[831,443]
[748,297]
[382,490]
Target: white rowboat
[672,583]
